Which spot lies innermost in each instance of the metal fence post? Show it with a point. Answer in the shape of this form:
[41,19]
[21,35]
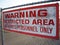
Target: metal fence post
[2,35]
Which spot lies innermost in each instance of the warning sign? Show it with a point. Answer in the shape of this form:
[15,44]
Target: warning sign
[41,20]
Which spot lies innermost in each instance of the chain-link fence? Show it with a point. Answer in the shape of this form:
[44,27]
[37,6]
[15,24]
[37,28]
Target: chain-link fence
[12,38]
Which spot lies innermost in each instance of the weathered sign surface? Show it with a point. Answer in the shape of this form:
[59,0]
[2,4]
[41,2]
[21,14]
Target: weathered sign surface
[39,20]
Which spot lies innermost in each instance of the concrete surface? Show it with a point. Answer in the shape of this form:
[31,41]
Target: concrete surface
[12,38]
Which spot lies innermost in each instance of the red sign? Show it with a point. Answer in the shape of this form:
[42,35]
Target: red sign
[39,20]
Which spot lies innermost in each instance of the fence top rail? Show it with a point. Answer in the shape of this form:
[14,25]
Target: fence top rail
[28,4]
